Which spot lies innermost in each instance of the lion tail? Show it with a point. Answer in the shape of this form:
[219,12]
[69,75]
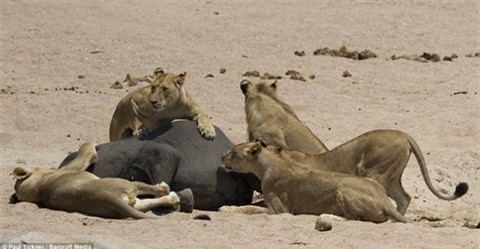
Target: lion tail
[461,188]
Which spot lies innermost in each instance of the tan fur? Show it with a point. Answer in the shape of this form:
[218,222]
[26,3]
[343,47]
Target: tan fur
[156,105]
[381,155]
[73,189]
[290,187]
[273,121]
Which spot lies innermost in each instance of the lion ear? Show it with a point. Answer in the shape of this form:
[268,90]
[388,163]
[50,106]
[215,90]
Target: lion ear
[255,149]
[181,78]
[158,71]
[21,173]
[244,85]
[274,85]
[261,142]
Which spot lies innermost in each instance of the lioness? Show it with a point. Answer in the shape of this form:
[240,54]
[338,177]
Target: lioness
[156,105]
[290,187]
[273,121]
[381,155]
[73,189]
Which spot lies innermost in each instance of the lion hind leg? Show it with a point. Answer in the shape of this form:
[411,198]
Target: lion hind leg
[400,196]
[147,204]
[87,155]
[331,217]
[248,209]
[157,190]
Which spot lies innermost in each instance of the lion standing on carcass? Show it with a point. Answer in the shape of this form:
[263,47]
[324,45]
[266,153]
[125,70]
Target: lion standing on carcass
[156,105]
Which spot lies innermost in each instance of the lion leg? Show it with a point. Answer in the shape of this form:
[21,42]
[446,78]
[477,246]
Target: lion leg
[248,209]
[398,194]
[331,217]
[204,126]
[361,199]
[87,154]
[157,190]
[170,200]
[275,205]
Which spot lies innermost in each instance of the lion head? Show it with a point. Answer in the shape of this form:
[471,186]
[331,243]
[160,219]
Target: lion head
[27,180]
[243,157]
[165,90]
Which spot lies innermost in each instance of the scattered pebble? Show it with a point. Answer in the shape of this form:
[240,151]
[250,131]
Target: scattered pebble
[116,85]
[269,76]
[223,70]
[299,53]
[209,75]
[202,217]
[476,54]
[344,52]
[253,73]
[311,77]
[80,76]
[322,225]
[295,75]
[346,74]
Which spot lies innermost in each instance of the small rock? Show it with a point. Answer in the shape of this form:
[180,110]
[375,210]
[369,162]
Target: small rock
[311,77]
[290,72]
[116,85]
[322,225]
[477,54]
[253,73]
[299,53]
[269,76]
[130,81]
[346,74]
[223,70]
[80,76]
[209,75]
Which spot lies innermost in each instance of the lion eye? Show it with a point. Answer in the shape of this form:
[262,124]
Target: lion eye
[164,88]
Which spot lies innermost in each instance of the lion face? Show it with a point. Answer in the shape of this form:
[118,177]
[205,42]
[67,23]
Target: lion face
[165,90]
[242,157]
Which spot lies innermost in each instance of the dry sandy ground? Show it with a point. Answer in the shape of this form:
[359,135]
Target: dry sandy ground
[48,45]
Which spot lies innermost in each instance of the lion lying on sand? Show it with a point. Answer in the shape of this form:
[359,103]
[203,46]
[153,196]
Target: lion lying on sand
[290,187]
[156,105]
[73,189]
[381,155]
[273,121]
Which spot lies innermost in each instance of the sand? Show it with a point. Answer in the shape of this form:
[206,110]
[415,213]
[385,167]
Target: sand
[59,59]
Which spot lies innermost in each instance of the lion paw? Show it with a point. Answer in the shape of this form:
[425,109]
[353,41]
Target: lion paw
[207,131]
[163,189]
[141,132]
[227,209]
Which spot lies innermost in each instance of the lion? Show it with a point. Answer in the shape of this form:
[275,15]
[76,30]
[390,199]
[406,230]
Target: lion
[156,105]
[381,155]
[273,121]
[290,187]
[73,189]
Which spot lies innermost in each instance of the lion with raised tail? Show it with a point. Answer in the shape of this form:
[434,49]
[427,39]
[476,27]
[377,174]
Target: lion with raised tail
[381,155]
[273,121]
[290,187]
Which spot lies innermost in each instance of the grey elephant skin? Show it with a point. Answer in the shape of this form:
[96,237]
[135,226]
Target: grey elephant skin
[179,156]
